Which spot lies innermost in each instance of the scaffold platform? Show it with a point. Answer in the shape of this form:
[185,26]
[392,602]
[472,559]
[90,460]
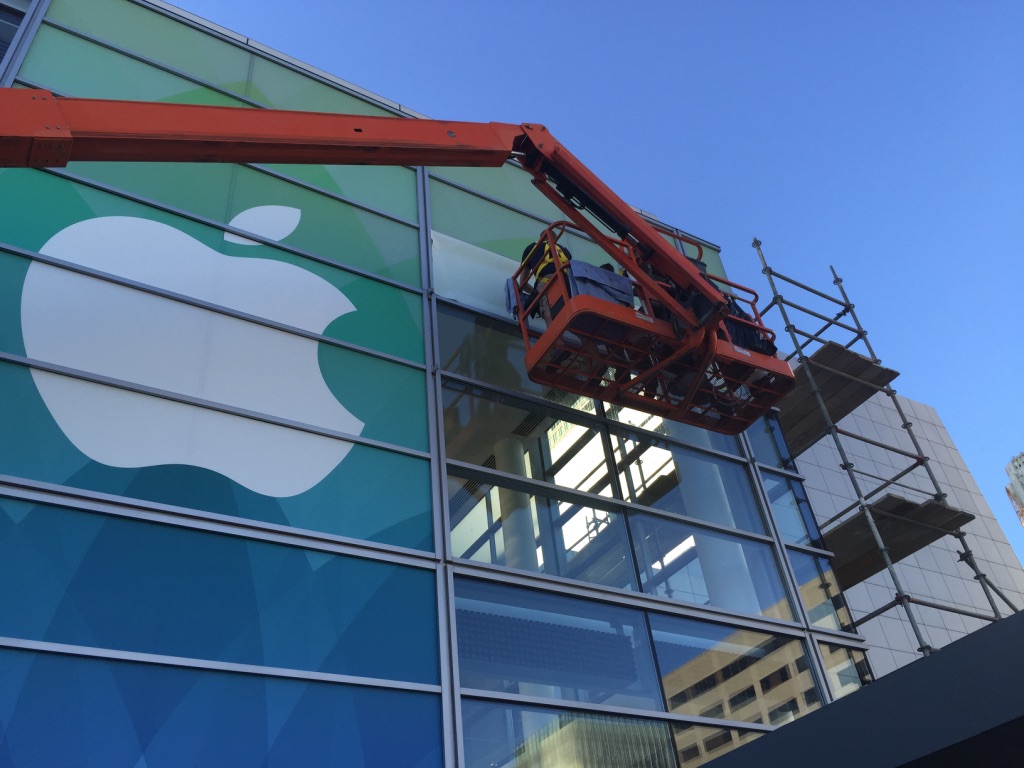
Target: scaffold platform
[906,526]
[845,379]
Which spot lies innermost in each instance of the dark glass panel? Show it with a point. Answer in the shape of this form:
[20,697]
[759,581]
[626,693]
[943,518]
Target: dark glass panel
[112,582]
[68,711]
[824,602]
[514,640]
[847,669]
[699,744]
[707,665]
[769,444]
[791,510]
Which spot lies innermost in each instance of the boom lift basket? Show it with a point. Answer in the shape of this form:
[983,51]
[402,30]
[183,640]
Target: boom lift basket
[615,348]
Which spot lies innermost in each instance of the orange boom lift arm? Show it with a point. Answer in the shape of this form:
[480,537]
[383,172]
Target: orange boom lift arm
[679,347]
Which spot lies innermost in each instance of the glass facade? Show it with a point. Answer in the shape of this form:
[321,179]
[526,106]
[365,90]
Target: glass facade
[276,486]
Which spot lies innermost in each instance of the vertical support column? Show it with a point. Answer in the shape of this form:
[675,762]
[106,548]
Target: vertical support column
[516,514]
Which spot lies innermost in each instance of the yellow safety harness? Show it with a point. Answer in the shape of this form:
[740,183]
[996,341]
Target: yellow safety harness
[546,265]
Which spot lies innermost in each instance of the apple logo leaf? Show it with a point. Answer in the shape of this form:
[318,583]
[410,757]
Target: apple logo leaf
[274,222]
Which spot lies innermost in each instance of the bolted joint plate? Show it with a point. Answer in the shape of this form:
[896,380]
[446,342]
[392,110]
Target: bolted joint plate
[33,133]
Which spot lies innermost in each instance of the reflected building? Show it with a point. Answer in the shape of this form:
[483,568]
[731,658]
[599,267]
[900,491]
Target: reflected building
[272,527]
[1015,488]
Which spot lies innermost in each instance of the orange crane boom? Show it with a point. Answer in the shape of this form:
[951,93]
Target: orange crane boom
[679,349]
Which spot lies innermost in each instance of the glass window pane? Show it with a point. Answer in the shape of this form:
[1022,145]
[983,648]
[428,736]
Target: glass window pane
[477,245]
[519,641]
[101,73]
[693,565]
[700,744]
[158,38]
[385,188]
[504,434]
[686,433]
[10,20]
[499,525]
[483,348]
[664,476]
[230,599]
[847,668]
[478,222]
[64,710]
[275,85]
[791,510]
[502,736]
[768,443]
[824,602]
[735,674]
[508,183]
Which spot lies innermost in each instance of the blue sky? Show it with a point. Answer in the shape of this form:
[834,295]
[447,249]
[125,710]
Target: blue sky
[886,139]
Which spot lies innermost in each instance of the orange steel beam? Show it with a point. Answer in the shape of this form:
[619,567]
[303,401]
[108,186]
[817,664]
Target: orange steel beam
[39,130]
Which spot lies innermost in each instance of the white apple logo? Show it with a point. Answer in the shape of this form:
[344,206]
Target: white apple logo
[108,329]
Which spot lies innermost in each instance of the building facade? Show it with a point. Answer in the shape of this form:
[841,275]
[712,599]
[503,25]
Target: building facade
[934,573]
[1015,488]
[275,484]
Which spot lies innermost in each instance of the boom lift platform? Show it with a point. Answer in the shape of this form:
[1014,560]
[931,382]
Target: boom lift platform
[681,346]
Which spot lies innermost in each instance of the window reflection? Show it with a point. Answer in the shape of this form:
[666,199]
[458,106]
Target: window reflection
[520,641]
[769,444]
[704,487]
[484,348]
[687,563]
[737,674]
[791,510]
[825,604]
[503,526]
[687,433]
[699,744]
[847,669]
[501,433]
[503,736]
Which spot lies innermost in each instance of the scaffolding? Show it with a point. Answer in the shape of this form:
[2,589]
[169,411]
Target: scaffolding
[886,521]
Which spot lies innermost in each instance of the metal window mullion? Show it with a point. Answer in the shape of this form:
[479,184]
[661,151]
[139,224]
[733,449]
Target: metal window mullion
[22,41]
[184,662]
[451,715]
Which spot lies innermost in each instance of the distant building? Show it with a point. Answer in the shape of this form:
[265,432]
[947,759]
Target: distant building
[1015,489]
